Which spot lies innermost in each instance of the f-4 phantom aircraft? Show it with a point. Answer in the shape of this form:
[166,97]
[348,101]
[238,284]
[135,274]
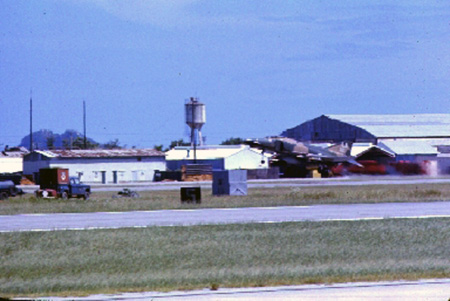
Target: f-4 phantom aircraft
[298,159]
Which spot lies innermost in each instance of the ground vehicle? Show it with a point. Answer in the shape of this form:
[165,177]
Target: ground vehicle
[7,189]
[126,193]
[55,182]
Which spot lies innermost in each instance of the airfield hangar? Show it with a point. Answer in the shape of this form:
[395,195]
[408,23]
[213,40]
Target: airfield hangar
[415,137]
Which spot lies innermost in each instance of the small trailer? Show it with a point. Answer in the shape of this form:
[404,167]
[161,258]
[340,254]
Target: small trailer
[56,183]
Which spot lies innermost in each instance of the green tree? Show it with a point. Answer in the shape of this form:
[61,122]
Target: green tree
[78,143]
[158,147]
[67,143]
[179,142]
[51,141]
[69,137]
[113,144]
[233,141]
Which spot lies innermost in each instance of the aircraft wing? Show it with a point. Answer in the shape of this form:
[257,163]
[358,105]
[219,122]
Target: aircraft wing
[290,150]
[333,159]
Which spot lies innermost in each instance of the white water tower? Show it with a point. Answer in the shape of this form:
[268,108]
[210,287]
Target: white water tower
[195,118]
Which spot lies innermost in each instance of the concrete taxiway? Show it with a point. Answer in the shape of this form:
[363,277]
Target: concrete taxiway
[140,219]
[301,182]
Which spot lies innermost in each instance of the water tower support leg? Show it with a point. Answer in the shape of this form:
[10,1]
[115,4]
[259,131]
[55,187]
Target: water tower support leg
[192,137]
[200,139]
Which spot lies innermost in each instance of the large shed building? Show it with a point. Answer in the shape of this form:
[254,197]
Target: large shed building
[221,157]
[99,166]
[412,137]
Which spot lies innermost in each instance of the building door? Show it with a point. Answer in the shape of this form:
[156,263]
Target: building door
[115,180]
[103,177]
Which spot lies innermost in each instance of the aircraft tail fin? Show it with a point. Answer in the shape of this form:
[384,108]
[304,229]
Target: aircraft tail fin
[341,149]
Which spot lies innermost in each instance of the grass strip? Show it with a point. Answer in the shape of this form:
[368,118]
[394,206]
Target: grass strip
[260,197]
[175,258]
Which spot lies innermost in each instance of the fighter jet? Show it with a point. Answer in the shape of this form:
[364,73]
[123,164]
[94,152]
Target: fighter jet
[298,159]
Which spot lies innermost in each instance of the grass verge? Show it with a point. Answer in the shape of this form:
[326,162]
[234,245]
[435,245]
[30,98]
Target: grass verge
[165,259]
[287,196]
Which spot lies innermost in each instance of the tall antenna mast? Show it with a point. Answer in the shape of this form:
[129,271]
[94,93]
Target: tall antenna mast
[84,124]
[31,120]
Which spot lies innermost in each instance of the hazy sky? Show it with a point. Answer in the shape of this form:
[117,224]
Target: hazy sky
[259,66]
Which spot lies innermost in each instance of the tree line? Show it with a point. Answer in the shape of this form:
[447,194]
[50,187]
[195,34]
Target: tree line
[181,142]
[71,139]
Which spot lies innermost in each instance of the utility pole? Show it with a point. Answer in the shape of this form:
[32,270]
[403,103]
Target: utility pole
[193,138]
[84,124]
[31,120]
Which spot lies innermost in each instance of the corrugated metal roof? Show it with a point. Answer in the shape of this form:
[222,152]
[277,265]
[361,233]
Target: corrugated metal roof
[102,153]
[13,154]
[412,125]
[359,149]
[207,152]
[415,146]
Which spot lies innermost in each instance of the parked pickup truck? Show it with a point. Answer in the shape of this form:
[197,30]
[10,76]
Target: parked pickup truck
[56,183]
[7,189]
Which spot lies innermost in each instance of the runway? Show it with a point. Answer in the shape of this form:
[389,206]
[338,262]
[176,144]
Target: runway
[142,219]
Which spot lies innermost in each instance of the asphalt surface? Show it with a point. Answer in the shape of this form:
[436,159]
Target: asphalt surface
[138,219]
[305,182]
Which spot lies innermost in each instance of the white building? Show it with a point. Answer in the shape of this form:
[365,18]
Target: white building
[221,157]
[99,166]
[11,160]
